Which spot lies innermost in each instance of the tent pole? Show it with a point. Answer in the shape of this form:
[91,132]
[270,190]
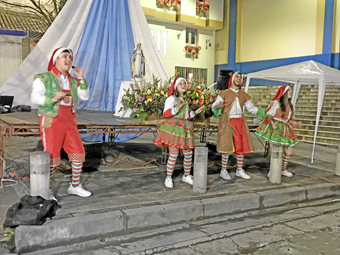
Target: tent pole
[321,93]
[297,86]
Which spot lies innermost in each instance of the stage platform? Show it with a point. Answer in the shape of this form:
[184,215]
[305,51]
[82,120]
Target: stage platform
[88,122]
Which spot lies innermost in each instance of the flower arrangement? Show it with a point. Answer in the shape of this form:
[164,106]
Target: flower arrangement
[197,96]
[168,5]
[201,9]
[148,99]
[145,99]
[192,51]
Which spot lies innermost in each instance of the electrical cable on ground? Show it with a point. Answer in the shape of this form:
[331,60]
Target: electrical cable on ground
[15,175]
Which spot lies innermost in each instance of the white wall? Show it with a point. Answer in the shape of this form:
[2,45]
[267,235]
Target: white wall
[176,44]
[10,55]
[278,29]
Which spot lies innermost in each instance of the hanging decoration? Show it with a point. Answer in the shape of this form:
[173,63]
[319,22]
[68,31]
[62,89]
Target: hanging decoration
[201,9]
[168,5]
[192,51]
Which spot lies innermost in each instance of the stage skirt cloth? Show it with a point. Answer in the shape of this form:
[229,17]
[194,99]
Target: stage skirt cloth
[284,134]
[176,132]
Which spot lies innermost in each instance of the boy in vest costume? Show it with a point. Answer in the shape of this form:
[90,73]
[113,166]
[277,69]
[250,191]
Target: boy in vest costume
[56,93]
[233,133]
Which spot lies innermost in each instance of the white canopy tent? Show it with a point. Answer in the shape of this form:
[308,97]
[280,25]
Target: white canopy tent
[303,73]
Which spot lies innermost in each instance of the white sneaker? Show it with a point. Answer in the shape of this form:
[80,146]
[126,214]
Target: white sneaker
[225,175]
[188,179]
[79,191]
[286,173]
[241,173]
[168,183]
[52,197]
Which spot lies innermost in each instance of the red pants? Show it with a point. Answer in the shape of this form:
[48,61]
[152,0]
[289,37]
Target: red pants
[62,132]
[239,136]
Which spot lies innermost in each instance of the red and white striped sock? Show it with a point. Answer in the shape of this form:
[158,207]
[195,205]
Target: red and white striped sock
[76,169]
[187,162]
[225,158]
[285,159]
[171,163]
[239,159]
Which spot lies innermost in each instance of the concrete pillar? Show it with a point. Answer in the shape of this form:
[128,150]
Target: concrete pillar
[40,174]
[275,163]
[337,164]
[200,170]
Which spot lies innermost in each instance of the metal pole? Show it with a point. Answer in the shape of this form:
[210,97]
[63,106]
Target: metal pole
[40,174]
[200,170]
[275,163]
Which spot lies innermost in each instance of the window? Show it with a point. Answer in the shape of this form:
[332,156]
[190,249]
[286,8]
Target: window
[165,43]
[152,33]
[159,40]
[191,36]
[197,73]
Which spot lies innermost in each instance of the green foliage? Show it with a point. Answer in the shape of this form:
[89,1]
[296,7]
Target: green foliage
[146,99]
[197,96]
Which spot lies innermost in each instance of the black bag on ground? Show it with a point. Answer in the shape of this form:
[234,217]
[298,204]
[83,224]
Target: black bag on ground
[21,108]
[31,210]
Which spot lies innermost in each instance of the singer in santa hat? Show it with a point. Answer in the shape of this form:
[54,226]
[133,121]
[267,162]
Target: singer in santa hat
[278,126]
[233,133]
[177,132]
[56,92]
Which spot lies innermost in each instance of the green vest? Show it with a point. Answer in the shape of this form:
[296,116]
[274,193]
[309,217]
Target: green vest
[53,85]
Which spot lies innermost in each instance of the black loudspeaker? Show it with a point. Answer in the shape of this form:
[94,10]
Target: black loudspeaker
[21,108]
[223,78]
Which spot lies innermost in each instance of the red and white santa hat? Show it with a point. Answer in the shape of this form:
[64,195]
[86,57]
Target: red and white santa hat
[283,89]
[174,85]
[56,54]
[231,79]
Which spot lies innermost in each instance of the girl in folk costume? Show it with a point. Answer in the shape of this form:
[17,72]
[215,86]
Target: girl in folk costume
[278,127]
[177,132]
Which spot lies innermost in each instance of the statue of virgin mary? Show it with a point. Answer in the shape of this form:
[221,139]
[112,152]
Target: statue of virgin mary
[138,62]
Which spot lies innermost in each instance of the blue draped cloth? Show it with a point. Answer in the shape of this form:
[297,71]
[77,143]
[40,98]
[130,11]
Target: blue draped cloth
[104,53]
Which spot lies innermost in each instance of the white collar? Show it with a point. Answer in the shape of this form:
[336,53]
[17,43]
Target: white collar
[235,90]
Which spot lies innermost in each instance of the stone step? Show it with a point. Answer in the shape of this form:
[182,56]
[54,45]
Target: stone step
[321,133]
[329,141]
[302,100]
[321,128]
[326,97]
[316,89]
[313,113]
[309,121]
[316,93]
[322,117]
[334,103]
[115,212]
[324,144]
[314,108]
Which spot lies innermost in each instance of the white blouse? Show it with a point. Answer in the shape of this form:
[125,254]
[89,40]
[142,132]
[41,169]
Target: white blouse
[38,94]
